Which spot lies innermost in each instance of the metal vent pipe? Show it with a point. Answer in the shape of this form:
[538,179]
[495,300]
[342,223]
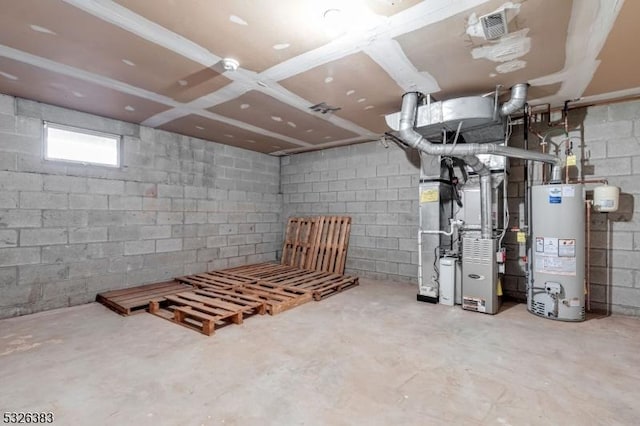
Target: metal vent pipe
[468,152]
[517,100]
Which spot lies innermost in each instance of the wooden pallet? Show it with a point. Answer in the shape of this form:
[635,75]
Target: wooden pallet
[323,287]
[320,284]
[276,298]
[299,237]
[318,243]
[216,280]
[331,244]
[257,270]
[204,310]
[133,300]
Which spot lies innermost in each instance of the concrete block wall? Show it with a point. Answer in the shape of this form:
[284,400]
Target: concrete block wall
[607,144]
[178,205]
[377,186]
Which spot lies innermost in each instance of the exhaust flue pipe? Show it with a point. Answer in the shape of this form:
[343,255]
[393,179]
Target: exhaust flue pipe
[468,152]
[517,101]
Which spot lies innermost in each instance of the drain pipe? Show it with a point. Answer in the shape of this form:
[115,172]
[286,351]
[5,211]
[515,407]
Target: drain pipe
[468,152]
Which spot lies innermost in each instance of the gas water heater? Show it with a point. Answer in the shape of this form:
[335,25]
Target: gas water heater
[556,289]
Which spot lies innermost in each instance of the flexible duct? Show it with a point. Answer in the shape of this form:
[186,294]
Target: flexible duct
[468,152]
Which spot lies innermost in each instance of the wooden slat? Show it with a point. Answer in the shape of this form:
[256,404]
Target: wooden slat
[236,298]
[343,246]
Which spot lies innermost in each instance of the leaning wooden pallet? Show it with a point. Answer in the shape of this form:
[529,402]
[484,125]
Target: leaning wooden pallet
[298,241]
[329,252]
[318,243]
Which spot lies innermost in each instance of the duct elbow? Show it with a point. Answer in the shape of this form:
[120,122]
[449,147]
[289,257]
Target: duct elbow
[407,120]
[517,101]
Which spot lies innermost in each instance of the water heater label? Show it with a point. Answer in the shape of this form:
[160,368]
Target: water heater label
[555,195]
[539,244]
[551,246]
[555,265]
[567,248]
[568,191]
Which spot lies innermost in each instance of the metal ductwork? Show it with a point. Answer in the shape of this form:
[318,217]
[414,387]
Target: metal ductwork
[468,152]
[517,101]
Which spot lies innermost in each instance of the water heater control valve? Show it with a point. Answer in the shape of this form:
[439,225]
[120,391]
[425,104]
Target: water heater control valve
[552,288]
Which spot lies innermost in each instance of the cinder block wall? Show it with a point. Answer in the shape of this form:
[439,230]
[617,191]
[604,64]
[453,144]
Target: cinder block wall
[179,205]
[606,142]
[377,187]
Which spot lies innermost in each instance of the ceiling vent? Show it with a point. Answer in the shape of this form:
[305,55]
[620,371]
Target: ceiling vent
[494,25]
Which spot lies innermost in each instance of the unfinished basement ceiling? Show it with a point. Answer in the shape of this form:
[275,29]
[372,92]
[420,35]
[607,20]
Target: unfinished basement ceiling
[160,63]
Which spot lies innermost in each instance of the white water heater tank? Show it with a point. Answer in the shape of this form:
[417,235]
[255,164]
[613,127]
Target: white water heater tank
[606,198]
[557,288]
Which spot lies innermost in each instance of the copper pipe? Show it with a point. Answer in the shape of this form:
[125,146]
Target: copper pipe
[544,170]
[588,274]
[566,166]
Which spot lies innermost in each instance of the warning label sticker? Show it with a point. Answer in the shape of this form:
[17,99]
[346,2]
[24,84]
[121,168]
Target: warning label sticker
[555,195]
[555,265]
[539,244]
[567,248]
[551,246]
[429,196]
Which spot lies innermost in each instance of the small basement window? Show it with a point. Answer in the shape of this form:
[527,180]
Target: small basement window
[72,144]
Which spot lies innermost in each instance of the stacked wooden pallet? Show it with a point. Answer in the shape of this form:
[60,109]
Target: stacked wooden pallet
[313,261]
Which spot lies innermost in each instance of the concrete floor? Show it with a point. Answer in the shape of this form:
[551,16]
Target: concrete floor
[370,356]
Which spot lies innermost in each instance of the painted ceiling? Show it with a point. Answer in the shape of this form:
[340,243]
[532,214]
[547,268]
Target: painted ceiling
[312,74]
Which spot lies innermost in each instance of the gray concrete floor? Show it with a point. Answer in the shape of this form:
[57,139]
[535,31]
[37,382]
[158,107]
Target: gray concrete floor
[370,356]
